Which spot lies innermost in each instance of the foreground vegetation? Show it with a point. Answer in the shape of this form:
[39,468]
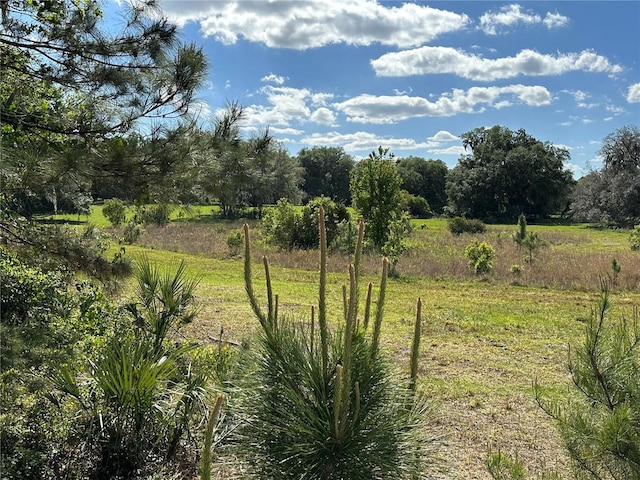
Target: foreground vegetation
[485,339]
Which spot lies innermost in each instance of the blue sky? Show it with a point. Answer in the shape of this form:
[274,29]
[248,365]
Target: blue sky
[413,76]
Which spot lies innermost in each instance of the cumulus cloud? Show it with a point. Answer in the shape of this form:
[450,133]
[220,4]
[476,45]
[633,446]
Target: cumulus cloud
[315,23]
[581,98]
[363,141]
[272,78]
[391,109]
[509,16]
[633,95]
[323,116]
[434,60]
[286,104]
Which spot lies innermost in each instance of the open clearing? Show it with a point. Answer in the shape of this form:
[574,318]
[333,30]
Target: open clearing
[484,340]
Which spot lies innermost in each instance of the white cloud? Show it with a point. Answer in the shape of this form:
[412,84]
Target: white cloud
[390,109]
[362,141]
[285,131]
[443,136]
[509,16]
[315,23]
[633,95]
[614,109]
[440,60]
[555,20]
[323,116]
[455,150]
[277,79]
[287,105]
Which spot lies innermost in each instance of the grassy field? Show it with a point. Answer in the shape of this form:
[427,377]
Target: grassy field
[484,340]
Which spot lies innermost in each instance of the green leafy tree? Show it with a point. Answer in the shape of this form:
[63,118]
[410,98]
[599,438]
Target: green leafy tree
[508,173]
[599,419]
[326,173]
[426,179]
[273,174]
[611,196]
[376,194]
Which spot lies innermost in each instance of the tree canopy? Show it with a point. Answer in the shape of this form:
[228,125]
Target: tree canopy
[326,172]
[426,179]
[508,173]
[612,195]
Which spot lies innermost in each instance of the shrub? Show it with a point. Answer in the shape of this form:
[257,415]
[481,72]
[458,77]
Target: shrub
[280,223]
[154,214]
[28,293]
[287,229]
[140,394]
[115,211]
[519,235]
[480,256]
[132,232]
[396,243]
[532,242]
[599,420]
[234,242]
[460,225]
[634,238]
[327,405]
[416,205]
[345,237]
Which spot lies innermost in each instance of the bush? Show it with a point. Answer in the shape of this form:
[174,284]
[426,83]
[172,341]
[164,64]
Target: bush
[28,293]
[280,224]
[460,225]
[416,205]
[480,256]
[396,243]
[634,238]
[327,405]
[141,394]
[155,214]
[234,243]
[132,232]
[287,229]
[115,211]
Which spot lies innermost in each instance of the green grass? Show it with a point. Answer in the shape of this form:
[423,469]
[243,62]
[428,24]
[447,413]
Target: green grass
[484,340]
